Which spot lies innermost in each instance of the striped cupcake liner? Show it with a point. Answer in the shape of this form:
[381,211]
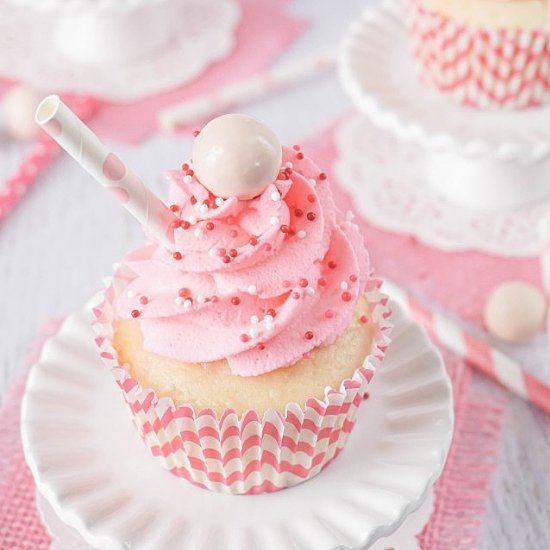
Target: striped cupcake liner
[248,454]
[501,68]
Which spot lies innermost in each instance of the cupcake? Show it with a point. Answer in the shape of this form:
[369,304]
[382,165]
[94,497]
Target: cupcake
[246,349]
[484,53]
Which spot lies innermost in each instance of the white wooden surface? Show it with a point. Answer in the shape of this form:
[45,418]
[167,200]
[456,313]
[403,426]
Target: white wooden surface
[56,247]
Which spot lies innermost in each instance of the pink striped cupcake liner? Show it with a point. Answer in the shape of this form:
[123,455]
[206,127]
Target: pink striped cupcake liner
[250,454]
[499,68]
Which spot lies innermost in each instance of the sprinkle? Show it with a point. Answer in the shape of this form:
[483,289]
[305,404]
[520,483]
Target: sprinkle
[322,176]
[252,289]
[303,283]
[270,312]
[196,133]
[329,314]
[284,228]
[300,156]
[311,198]
[322,282]
[185,224]
[230,220]
[214,299]
[301,234]
[174,208]
[233,253]
[197,207]
[332,264]
[311,216]
[308,335]
[226,259]
[219,201]
[185,166]
[306,355]
[274,220]
[131,294]
[266,246]
[296,147]
[298,213]
[178,300]
[275,196]
[296,295]
[193,200]
[269,327]
[144,300]
[183,292]
[203,208]
[244,337]
[344,285]
[192,220]
[212,252]
[363,319]
[353,278]
[312,182]
[135,313]
[233,233]
[197,232]
[253,333]
[261,346]
[346,296]
[254,319]
[289,165]
[188,179]
[221,252]
[310,291]
[235,300]
[268,319]
[187,304]
[253,240]
[200,299]
[175,224]
[177,255]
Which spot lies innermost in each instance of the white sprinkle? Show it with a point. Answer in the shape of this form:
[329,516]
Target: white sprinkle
[268,319]
[274,220]
[301,234]
[212,252]
[253,333]
[131,294]
[192,220]
[178,301]
[203,208]
[187,304]
[200,299]
[196,207]
[344,285]
[187,179]
[310,291]
[289,165]
[254,319]
[252,289]
[269,327]
[219,201]
[275,196]
[312,182]
[197,232]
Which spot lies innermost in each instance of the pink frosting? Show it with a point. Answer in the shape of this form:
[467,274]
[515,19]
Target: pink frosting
[258,282]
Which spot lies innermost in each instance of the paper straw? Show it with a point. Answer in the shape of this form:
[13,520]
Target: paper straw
[84,146]
[544,234]
[487,359]
[243,91]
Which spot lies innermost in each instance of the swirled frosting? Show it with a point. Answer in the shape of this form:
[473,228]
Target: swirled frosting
[258,282]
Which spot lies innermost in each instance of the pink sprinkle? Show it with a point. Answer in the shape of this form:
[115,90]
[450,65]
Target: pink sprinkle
[244,337]
[143,300]
[296,295]
[266,246]
[322,282]
[306,355]
[233,233]
[353,278]
[221,251]
[329,314]
[364,319]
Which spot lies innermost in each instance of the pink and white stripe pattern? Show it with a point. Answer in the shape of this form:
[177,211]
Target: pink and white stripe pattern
[481,68]
[484,357]
[248,454]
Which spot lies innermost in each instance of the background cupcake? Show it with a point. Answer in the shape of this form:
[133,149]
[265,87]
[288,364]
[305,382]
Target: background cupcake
[484,53]
[247,349]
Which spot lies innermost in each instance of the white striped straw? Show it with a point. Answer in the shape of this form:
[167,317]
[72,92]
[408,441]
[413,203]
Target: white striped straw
[487,359]
[243,91]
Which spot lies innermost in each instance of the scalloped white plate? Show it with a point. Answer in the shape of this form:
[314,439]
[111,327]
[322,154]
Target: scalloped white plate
[90,465]
[378,73]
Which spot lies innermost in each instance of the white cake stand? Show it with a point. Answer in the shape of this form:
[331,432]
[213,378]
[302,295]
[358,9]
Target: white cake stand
[479,159]
[94,472]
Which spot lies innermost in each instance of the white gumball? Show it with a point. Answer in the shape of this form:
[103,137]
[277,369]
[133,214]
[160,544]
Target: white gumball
[515,311]
[18,107]
[236,155]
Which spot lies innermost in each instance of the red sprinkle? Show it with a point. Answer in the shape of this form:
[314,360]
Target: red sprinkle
[284,228]
[235,300]
[183,292]
[193,200]
[346,296]
[298,212]
[190,173]
[271,312]
[196,133]
[364,319]
[288,171]
[300,156]
[311,198]
[329,314]
[209,226]
[253,240]
[311,216]
[296,147]
[144,300]
[175,224]
[322,282]
[353,278]
[244,337]
[177,255]
[185,224]
[214,299]
[296,295]
[261,346]
[185,167]
[135,313]
[332,264]
[226,259]
[322,176]
[303,283]
[233,253]
[308,335]
[174,207]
